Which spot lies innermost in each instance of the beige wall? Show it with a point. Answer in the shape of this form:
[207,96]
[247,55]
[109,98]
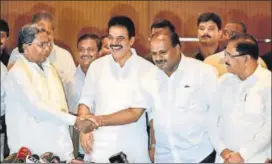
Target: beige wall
[76,17]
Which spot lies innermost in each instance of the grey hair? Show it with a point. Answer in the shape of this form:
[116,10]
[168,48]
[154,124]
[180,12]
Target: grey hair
[27,35]
[43,15]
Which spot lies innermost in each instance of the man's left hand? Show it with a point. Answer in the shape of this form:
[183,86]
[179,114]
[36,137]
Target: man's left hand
[234,157]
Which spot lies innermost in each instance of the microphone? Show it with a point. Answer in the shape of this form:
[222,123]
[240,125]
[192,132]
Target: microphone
[33,159]
[55,159]
[10,158]
[119,158]
[46,157]
[21,155]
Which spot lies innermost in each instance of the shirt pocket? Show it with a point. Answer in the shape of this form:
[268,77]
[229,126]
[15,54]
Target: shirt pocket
[185,98]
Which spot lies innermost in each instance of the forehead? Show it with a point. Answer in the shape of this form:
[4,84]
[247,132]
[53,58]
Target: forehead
[118,30]
[159,29]
[209,23]
[87,42]
[160,42]
[46,24]
[231,46]
[42,36]
[3,32]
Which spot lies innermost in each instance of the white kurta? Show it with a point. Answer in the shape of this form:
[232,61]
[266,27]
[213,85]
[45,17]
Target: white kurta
[111,89]
[60,58]
[244,110]
[180,111]
[36,110]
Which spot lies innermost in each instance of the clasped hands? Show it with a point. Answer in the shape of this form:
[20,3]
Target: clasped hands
[232,157]
[87,123]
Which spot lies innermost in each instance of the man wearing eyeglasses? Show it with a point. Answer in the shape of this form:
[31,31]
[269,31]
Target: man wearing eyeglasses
[36,110]
[60,58]
[217,60]
[241,119]
[88,46]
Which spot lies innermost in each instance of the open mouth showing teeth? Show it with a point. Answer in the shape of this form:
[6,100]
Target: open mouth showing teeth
[116,48]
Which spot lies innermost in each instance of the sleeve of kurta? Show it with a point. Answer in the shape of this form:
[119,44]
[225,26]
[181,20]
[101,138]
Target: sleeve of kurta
[213,95]
[20,89]
[262,138]
[88,90]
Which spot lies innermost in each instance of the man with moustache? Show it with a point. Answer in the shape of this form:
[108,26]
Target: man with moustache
[88,46]
[180,95]
[4,32]
[119,107]
[241,119]
[209,33]
[60,58]
[217,60]
[36,108]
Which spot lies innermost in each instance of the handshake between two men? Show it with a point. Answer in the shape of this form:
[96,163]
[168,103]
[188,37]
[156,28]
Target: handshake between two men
[87,123]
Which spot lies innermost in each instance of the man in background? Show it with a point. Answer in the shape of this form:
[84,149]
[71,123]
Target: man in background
[88,46]
[209,33]
[105,49]
[217,60]
[4,32]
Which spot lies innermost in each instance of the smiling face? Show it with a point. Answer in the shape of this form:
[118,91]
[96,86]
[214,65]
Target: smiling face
[88,52]
[119,41]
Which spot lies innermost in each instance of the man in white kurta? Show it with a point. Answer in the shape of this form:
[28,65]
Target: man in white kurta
[112,85]
[243,126]
[36,110]
[180,95]
[88,46]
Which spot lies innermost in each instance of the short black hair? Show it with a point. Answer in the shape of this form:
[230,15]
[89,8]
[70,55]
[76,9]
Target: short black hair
[27,35]
[205,17]
[123,21]
[246,44]
[163,24]
[4,26]
[93,37]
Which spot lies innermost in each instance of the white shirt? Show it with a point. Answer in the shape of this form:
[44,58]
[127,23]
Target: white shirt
[4,72]
[33,115]
[244,110]
[111,89]
[60,58]
[180,111]
[74,87]
[73,92]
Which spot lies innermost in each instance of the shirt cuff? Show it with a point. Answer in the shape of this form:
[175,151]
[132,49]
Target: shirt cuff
[244,153]
[70,119]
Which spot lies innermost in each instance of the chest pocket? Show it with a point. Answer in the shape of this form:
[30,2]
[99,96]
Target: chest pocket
[186,97]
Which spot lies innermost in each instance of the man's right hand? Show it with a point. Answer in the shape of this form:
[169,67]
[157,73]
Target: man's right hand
[86,141]
[85,125]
